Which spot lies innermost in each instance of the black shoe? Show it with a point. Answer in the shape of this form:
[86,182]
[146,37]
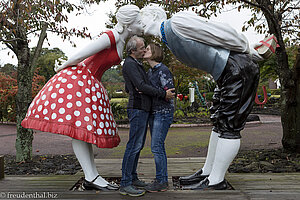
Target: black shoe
[91,186]
[192,179]
[204,185]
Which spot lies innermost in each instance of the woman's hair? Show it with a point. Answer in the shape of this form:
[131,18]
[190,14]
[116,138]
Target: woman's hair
[125,16]
[131,44]
[157,52]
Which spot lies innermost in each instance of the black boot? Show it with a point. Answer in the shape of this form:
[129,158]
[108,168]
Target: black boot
[192,179]
[204,185]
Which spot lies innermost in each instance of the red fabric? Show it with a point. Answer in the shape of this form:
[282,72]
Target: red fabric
[103,60]
[75,103]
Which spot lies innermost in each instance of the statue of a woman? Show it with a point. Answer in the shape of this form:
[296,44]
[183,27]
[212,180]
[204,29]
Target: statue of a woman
[75,103]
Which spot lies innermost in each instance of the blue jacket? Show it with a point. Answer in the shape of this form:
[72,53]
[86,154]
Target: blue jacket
[161,78]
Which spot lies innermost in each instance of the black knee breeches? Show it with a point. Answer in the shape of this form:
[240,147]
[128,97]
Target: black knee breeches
[234,95]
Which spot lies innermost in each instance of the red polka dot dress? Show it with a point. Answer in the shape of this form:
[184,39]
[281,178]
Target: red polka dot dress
[75,103]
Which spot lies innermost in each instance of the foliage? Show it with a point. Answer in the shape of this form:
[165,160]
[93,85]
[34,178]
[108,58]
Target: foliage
[9,69]
[186,109]
[269,68]
[183,75]
[113,89]
[209,96]
[8,91]
[112,75]
[118,110]
[46,62]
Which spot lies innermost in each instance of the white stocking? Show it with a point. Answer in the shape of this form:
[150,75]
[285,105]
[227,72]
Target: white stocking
[226,151]
[206,169]
[85,156]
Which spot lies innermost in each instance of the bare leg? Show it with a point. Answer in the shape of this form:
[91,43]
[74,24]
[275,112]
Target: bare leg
[213,141]
[85,156]
[226,151]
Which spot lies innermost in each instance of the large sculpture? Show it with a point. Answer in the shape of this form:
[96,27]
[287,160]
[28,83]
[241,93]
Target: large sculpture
[219,50]
[75,103]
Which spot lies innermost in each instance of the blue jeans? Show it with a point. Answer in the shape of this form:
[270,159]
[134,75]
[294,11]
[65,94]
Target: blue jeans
[159,125]
[137,135]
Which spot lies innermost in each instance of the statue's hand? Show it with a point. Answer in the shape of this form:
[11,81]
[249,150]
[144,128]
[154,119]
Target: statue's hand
[59,64]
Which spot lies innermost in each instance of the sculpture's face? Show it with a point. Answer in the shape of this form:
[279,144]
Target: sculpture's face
[136,28]
[147,23]
[152,17]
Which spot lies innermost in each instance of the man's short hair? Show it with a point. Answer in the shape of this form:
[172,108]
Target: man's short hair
[131,44]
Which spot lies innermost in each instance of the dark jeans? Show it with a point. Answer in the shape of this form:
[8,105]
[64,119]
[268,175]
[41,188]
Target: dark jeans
[137,135]
[159,125]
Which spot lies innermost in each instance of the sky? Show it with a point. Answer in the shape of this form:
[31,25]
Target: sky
[96,18]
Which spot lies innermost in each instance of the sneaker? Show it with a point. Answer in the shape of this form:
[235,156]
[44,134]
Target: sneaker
[140,184]
[157,187]
[131,191]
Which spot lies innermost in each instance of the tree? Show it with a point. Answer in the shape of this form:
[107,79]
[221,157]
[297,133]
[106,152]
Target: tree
[46,62]
[20,19]
[281,18]
[278,17]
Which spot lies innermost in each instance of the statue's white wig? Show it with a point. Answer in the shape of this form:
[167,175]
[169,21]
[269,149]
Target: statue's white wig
[125,16]
[156,12]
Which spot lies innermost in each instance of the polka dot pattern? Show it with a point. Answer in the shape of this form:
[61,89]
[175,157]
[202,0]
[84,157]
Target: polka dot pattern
[74,98]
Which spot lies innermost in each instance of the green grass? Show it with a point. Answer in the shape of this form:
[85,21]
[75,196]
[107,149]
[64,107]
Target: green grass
[179,142]
[118,100]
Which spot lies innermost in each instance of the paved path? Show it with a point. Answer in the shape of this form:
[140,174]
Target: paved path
[266,133]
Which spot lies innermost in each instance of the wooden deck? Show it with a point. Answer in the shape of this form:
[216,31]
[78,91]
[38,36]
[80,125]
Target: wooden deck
[247,186]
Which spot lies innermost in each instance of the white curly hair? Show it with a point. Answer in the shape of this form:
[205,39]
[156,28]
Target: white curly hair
[157,13]
[126,15]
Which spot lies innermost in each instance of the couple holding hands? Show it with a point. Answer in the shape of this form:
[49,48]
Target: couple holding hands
[75,103]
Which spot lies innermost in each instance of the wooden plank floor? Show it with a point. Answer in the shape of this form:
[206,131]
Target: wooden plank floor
[247,186]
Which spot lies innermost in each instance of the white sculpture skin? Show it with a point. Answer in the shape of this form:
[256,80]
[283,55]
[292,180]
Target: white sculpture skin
[129,23]
[221,151]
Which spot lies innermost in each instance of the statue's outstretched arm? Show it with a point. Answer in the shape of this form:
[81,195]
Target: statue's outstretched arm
[96,46]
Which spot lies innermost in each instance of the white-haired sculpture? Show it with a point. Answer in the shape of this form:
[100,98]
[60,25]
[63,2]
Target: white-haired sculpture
[220,51]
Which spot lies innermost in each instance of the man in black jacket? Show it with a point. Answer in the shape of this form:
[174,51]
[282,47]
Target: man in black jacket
[139,104]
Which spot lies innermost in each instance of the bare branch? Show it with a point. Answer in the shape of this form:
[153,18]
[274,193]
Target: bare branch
[253,4]
[38,48]
[9,40]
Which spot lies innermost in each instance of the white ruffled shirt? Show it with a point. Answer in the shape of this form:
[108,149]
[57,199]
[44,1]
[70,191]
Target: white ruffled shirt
[192,26]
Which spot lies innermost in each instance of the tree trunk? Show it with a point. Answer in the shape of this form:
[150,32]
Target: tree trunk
[290,110]
[23,99]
